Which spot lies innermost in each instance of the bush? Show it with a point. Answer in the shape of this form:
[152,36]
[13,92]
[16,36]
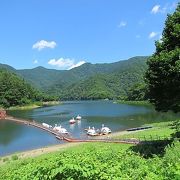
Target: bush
[5,159]
[14,157]
[96,161]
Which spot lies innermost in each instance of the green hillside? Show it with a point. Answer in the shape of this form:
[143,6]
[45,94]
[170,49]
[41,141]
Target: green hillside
[15,91]
[89,81]
[7,67]
[40,76]
[105,81]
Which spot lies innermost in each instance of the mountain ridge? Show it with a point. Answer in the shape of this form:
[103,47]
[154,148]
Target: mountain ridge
[123,74]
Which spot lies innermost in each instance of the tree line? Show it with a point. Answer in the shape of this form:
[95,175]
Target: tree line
[16,91]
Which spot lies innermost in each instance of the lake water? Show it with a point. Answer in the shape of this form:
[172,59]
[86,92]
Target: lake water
[16,137]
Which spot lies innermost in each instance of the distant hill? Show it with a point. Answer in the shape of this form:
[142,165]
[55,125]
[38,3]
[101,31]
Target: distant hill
[14,90]
[40,76]
[7,67]
[89,81]
[108,81]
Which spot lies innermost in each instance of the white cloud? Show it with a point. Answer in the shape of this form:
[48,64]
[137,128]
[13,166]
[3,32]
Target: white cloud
[35,61]
[65,63]
[152,35]
[44,44]
[155,9]
[167,7]
[61,62]
[122,24]
[77,64]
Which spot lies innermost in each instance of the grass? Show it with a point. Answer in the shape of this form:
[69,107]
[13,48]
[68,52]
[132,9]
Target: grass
[14,157]
[96,161]
[34,105]
[25,107]
[6,159]
[158,130]
[138,103]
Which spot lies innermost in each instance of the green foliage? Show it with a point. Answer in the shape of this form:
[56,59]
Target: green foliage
[111,84]
[14,157]
[96,161]
[138,92]
[5,159]
[176,126]
[159,130]
[15,91]
[135,102]
[163,72]
[89,81]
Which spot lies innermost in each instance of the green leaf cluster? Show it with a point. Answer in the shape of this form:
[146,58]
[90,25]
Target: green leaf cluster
[15,91]
[96,161]
[163,74]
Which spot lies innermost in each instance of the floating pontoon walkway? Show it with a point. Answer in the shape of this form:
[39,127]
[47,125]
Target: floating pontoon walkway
[67,137]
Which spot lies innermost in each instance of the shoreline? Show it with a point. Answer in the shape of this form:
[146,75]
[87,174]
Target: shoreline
[119,133]
[58,147]
[52,103]
[35,105]
[137,103]
[38,151]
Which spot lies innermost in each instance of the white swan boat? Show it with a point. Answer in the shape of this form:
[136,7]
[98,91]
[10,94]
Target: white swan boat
[92,132]
[72,121]
[105,130]
[46,125]
[60,129]
[78,117]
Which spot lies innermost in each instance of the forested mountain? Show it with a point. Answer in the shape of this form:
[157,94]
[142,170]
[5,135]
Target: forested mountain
[89,81]
[15,91]
[99,81]
[7,67]
[40,76]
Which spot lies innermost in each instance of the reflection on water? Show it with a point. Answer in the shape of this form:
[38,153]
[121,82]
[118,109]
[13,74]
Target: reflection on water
[72,126]
[7,131]
[16,137]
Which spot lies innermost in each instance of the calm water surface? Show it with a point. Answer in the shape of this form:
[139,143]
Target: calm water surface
[16,137]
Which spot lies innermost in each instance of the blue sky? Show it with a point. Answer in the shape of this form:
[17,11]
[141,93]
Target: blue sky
[62,34]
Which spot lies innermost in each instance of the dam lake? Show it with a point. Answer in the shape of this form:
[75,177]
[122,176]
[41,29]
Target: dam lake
[17,137]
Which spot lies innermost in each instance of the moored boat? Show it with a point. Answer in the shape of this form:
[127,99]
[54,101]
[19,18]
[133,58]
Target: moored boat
[72,121]
[78,117]
[92,132]
[46,125]
[105,130]
[60,129]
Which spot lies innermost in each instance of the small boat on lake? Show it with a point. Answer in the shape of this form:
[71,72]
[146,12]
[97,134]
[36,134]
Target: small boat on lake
[92,132]
[105,130]
[78,117]
[60,129]
[46,125]
[72,121]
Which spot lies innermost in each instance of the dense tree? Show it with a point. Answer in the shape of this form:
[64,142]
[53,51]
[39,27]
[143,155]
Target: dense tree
[15,91]
[89,81]
[112,85]
[102,86]
[163,74]
[138,92]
